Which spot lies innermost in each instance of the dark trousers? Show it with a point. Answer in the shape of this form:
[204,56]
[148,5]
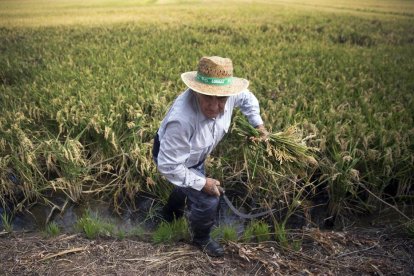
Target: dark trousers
[202,207]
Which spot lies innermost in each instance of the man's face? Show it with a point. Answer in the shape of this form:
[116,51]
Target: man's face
[211,106]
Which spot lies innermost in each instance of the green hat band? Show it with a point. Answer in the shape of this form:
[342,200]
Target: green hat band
[214,81]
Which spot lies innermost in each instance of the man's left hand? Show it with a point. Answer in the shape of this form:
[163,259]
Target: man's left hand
[264,134]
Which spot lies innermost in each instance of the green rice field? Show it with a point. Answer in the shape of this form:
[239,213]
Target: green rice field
[85,84]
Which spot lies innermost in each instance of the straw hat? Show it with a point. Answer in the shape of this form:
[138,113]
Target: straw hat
[214,77]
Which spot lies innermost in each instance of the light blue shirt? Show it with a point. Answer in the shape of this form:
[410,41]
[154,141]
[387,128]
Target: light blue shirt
[187,136]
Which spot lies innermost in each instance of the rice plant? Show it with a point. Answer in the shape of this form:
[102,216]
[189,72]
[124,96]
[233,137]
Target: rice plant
[287,149]
[82,123]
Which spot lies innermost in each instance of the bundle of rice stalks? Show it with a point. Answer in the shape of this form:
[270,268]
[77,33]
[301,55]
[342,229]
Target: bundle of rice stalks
[286,150]
[276,171]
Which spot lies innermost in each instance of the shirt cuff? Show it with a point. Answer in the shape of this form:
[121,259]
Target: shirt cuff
[256,120]
[198,181]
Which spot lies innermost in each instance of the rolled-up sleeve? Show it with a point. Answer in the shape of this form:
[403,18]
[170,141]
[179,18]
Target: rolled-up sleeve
[249,106]
[174,151]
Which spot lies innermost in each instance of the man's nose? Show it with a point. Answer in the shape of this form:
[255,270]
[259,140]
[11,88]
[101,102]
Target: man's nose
[214,103]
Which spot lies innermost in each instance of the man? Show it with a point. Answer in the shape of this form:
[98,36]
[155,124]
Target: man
[192,128]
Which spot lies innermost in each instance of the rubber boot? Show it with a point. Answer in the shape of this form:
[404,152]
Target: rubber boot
[209,246]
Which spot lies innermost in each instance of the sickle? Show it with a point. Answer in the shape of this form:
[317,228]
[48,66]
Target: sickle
[237,212]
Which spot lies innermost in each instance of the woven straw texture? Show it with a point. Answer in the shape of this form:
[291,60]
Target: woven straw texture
[215,67]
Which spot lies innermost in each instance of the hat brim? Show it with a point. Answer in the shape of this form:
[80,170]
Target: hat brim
[236,87]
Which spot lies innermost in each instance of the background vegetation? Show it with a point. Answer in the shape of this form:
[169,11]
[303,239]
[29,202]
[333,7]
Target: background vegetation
[84,85]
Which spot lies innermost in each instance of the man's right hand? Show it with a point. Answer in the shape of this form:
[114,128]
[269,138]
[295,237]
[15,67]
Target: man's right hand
[211,187]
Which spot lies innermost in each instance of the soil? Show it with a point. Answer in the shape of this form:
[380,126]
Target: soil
[378,251]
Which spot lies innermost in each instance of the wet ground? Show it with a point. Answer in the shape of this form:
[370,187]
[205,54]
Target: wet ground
[146,214]
[380,247]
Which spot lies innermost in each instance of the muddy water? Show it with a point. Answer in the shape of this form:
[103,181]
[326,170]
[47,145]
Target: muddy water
[66,214]
[146,215]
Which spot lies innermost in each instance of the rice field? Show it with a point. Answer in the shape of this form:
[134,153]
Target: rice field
[85,84]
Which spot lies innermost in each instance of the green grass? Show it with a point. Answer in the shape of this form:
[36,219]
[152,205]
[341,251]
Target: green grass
[281,235]
[7,222]
[93,226]
[225,232]
[137,231]
[84,86]
[256,231]
[121,234]
[171,232]
[52,229]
